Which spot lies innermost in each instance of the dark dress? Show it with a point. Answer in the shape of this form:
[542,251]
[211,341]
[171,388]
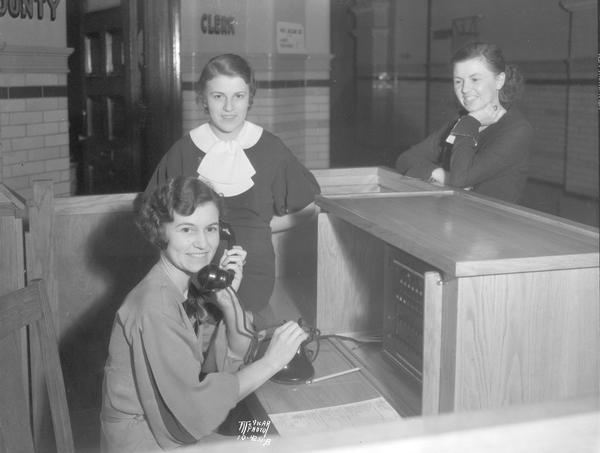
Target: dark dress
[493,162]
[281,185]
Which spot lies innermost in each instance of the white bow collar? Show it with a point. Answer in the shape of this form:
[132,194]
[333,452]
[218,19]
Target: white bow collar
[225,165]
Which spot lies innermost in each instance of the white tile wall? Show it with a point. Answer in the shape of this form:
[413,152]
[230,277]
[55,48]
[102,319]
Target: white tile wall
[34,140]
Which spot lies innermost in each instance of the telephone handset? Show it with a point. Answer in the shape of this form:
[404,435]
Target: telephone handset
[212,277]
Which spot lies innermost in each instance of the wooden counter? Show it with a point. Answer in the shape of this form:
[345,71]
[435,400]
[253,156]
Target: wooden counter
[552,427]
[91,254]
[505,325]
[510,300]
[465,235]
[363,181]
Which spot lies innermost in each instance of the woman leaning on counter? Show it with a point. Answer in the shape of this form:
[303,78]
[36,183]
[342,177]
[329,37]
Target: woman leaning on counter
[486,148]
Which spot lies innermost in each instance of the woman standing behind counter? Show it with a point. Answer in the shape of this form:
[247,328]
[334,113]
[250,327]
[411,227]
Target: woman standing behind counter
[256,173]
[487,148]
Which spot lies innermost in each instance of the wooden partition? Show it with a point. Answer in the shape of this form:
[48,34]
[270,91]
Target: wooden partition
[12,208]
[296,252]
[89,252]
[516,318]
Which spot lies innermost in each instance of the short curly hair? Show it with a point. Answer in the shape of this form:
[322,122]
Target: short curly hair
[181,195]
[514,82]
[228,64]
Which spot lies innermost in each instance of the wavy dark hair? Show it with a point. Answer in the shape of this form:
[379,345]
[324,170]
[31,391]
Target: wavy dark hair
[514,82]
[228,64]
[181,195]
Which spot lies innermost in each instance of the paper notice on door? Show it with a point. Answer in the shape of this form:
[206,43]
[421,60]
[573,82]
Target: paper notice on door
[366,412]
[290,38]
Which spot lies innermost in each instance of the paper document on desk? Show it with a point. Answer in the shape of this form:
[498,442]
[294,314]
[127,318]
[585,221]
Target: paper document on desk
[366,412]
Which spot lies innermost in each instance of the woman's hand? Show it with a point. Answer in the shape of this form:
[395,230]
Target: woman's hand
[438,176]
[285,342]
[234,259]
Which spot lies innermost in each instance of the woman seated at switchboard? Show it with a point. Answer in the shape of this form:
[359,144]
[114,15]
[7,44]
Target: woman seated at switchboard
[166,382]
[486,148]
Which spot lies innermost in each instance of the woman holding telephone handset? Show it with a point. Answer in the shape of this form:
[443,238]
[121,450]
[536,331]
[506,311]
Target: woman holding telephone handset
[486,148]
[166,383]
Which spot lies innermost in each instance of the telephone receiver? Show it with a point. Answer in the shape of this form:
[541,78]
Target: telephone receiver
[212,278]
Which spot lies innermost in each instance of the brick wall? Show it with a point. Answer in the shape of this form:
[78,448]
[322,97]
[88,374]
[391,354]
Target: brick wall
[582,140]
[300,117]
[544,106]
[34,127]
[560,102]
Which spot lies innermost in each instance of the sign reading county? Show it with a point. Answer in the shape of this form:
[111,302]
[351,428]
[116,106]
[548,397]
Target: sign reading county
[290,38]
[27,9]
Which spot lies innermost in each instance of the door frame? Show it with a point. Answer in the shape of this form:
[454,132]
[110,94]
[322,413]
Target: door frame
[153,52]
[162,80]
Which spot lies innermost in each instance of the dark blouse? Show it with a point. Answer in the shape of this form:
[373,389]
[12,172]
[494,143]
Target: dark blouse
[494,162]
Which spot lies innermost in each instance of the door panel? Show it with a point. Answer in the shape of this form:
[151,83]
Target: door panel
[111,85]
[121,89]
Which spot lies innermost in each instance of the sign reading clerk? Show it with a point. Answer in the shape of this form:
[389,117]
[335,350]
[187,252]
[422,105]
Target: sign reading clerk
[25,8]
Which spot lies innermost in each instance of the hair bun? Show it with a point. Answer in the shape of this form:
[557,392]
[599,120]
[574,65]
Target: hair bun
[514,85]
